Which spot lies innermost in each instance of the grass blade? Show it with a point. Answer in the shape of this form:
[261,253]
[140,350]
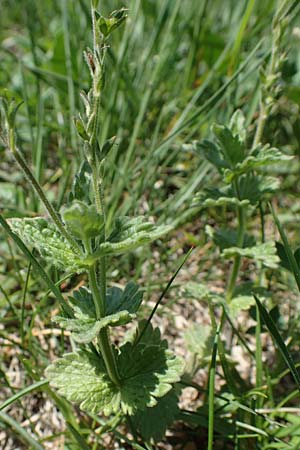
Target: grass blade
[278,340]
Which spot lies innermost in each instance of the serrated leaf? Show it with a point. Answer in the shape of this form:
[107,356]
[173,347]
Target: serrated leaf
[255,187]
[226,237]
[261,156]
[128,299]
[129,234]
[120,306]
[265,253]
[82,220]
[85,330]
[233,150]
[212,153]
[152,423]
[147,370]
[44,236]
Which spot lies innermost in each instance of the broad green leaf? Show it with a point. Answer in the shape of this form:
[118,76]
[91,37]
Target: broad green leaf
[43,236]
[147,371]
[128,234]
[261,156]
[265,253]
[226,237]
[152,423]
[82,220]
[121,306]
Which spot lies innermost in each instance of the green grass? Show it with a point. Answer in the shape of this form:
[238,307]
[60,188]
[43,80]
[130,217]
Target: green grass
[173,69]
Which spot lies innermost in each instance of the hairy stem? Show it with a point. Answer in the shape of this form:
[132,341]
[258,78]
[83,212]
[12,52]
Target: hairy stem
[39,191]
[104,341]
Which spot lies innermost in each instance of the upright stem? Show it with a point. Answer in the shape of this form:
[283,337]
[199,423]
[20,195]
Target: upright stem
[38,189]
[104,342]
[237,259]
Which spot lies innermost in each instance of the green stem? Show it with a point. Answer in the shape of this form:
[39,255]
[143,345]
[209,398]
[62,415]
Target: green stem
[237,259]
[39,191]
[104,341]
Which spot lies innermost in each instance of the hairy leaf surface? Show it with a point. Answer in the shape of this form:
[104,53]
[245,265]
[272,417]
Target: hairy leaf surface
[147,370]
[44,236]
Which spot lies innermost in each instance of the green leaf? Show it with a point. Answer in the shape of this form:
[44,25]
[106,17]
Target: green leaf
[240,303]
[237,125]
[261,156]
[254,188]
[81,185]
[233,150]
[115,19]
[152,423]
[85,330]
[128,234]
[265,253]
[82,220]
[128,299]
[43,236]
[147,370]
[227,237]
[212,153]
[121,306]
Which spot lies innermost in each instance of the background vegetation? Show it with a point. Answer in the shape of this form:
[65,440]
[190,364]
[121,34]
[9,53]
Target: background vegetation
[175,68]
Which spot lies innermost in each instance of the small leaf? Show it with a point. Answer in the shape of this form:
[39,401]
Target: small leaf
[44,236]
[152,423]
[81,184]
[200,291]
[80,128]
[265,253]
[237,125]
[233,150]
[147,370]
[115,19]
[107,146]
[128,234]
[82,220]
